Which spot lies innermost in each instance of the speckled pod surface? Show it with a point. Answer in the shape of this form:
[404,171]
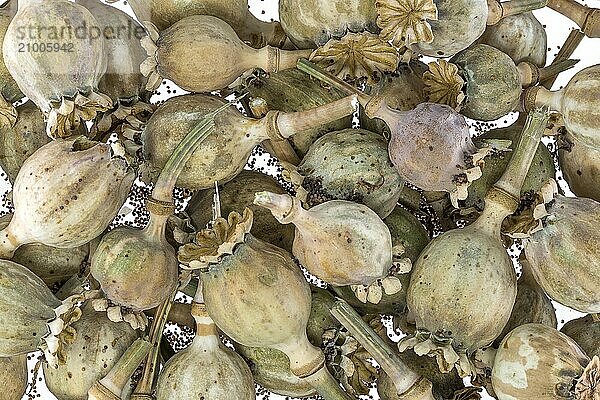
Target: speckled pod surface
[13,377]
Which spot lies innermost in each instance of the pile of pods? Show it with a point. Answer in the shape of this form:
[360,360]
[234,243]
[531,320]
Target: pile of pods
[387,214]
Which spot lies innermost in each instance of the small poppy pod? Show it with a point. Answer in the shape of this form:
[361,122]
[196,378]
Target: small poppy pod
[564,253]
[586,332]
[9,90]
[66,194]
[580,163]
[32,317]
[311,23]
[97,346]
[536,362]
[13,377]
[215,55]
[353,165]
[238,194]
[292,90]
[67,90]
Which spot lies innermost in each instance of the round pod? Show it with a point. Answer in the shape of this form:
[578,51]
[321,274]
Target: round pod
[96,348]
[238,194]
[536,362]
[13,377]
[580,164]
[292,90]
[353,165]
[564,254]
[493,84]
[522,37]
[586,332]
[311,23]
[8,87]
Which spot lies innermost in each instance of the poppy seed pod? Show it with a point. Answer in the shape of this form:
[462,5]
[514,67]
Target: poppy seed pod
[580,163]
[9,90]
[66,194]
[13,377]
[586,332]
[97,346]
[536,362]
[67,89]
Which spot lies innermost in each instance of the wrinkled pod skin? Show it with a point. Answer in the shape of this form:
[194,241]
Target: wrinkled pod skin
[493,84]
[406,230]
[224,154]
[564,255]
[215,55]
[98,345]
[292,90]
[311,23]
[429,145]
[580,164]
[340,242]
[122,79]
[522,37]
[586,332]
[536,362]
[8,87]
[13,377]
[402,90]
[353,165]
[53,265]
[66,74]
[66,194]
[206,369]
[164,13]
[238,194]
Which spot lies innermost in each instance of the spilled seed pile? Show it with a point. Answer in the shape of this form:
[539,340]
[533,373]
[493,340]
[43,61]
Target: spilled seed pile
[374,199]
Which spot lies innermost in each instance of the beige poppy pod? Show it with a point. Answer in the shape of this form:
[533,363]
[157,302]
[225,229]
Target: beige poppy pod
[164,13]
[564,253]
[586,332]
[13,377]
[522,37]
[536,362]
[311,23]
[580,163]
[66,194]
[9,90]
[97,346]
[67,90]
[215,56]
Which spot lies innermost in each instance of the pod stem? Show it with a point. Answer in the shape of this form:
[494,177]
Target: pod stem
[567,49]
[502,9]
[532,75]
[588,19]
[144,388]
[402,376]
[326,385]
[111,386]
[514,175]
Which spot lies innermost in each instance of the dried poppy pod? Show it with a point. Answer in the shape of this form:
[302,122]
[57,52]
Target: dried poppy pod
[66,194]
[532,306]
[95,349]
[291,91]
[586,332]
[215,55]
[463,286]
[258,296]
[580,163]
[536,362]
[67,90]
[442,28]
[522,37]
[483,82]
[13,377]
[164,13]
[53,265]
[564,253]
[224,153]
[32,317]
[429,132]
[238,194]
[578,103]
[353,165]
[137,268]
[587,18]
[340,242]
[206,368]
[9,90]
[123,80]
[311,23]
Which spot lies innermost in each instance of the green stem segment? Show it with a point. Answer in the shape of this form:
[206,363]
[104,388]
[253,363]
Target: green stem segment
[566,51]
[326,385]
[402,376]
